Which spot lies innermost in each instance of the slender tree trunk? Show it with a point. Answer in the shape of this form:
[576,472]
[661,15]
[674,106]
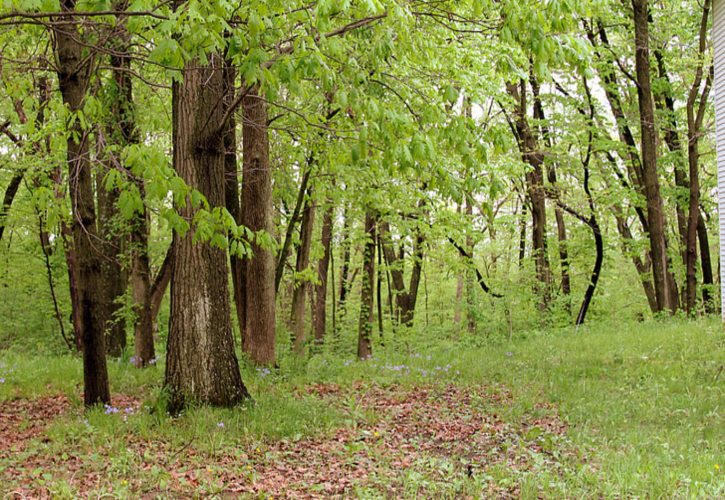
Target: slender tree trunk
[379,291]
[258,336]
[695,117]
[319,318]
[291,225]
[530,153]
[365,329]
[643,267]
[161,283]
[470,281]
[345,265]
[707,277]
[73,75]
[111,248]
[122,131]
[297,317]
[231,196]
[201,363]
[522,233]
[655,209]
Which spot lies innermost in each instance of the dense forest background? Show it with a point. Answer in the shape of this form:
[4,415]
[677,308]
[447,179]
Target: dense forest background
[181,177]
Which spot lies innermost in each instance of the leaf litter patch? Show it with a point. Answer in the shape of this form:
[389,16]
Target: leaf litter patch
[439,434]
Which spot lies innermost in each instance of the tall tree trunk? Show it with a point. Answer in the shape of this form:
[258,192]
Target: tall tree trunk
[664,287]
[470,280]
[122,132]
[231,195]
[201,363]
[530,154]
[365,329]
[258,336]
[320,316]
[297,317]
[73,76]
[551,174]
[696,107]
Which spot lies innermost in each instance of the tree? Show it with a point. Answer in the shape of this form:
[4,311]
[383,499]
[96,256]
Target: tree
[201,364]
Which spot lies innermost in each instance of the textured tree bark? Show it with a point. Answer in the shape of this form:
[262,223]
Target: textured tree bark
[201,364]
[365,329]
[73,74]
[258,336]
[297,316]
[655,210]
[320,315]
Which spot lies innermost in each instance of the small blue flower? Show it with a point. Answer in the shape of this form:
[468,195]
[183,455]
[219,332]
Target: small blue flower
[2,380]
[220,425]
[110,410]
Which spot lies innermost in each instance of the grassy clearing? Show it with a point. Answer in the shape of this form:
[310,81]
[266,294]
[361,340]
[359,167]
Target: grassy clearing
[611,411]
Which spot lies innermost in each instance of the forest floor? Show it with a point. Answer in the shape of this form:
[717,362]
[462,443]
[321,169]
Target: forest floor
[625,411]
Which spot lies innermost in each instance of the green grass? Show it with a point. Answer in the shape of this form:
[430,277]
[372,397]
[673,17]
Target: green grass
[643,403]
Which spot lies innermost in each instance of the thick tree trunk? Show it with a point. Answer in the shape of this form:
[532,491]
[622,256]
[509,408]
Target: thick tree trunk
[201,363]
[73,76]
[320,315]
[297,316]
[258,336]
[365,329]
[663,283]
